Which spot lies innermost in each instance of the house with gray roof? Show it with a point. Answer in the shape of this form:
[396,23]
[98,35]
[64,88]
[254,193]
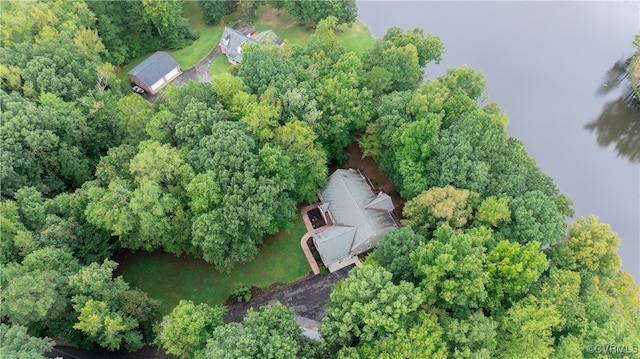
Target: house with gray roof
[155,72]
[234,38]
[350,218]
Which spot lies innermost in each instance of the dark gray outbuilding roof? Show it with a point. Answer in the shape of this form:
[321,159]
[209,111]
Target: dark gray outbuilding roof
[154,68]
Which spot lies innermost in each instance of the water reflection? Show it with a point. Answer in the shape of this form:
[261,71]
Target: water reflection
[619,122]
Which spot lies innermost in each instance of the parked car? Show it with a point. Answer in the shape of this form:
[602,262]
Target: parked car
[137,89]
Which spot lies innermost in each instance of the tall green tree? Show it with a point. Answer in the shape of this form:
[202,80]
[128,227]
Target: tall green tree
[135,112]
[36,290]
[213,11]
[394,250]
[450,268]
[345,105]
[308,159]
[424,340]
[149,211]
[188,327]
[594,246]
[472,336]
[367,307]
[345,11]
[108,328]
[525,331]
[270,332]
[42,146]
[437,206]
[513,268]
[534,217]
[18,344]
[429,47]
[250,204]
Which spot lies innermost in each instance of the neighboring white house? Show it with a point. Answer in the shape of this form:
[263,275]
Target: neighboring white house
[155,72]
[232,40]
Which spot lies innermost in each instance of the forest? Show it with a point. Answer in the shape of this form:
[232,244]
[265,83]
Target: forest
[484,265]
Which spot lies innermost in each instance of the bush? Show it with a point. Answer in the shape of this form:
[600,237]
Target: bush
[242,294]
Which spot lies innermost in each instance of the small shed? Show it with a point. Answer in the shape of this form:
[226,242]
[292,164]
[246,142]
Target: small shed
[155,72]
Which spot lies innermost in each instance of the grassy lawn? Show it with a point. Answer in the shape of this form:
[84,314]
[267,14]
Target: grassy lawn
[355,38]
[170,278]
[219,66]
[189,56]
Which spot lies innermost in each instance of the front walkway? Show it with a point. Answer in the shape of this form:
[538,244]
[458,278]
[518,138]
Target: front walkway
[310,232]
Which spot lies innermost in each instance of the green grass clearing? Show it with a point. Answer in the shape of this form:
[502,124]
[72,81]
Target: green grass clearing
[355,38]
[170,278]
[219,66]
[189,56]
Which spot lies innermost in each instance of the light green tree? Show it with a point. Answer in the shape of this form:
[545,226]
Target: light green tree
[18,344]
[109,329]
[450,268]
[367,307]
[188,327]
[423,340]
[270,333]
[436,206]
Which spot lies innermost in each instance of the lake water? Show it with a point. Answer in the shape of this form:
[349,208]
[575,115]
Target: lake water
[547,65]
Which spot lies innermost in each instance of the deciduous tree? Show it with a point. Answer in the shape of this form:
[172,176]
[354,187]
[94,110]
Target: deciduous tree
[188,327]
[512,269]
[18,344]
[270,332]
[367,307]
[450,268]
[423,340]
[436,206]
[393,253]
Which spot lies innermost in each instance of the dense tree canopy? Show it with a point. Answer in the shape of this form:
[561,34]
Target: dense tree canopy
[345,11]
[483,266]
[270,332]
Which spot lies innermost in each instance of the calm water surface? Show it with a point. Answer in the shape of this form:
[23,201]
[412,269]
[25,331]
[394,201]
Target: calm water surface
[551,67]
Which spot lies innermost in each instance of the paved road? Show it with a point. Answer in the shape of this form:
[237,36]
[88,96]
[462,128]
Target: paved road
[148,352]
[308,298]
[200,72]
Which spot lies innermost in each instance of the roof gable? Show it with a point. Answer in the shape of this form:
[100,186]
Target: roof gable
[381,202]
[351,203]
[334,243]
[154,68]
[232,41]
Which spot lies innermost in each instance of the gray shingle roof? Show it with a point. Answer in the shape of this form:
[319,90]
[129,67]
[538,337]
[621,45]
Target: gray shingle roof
[232,40]
[154,68]
[360,216]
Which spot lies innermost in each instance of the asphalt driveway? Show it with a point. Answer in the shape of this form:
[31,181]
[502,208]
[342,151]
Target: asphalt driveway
[308,298]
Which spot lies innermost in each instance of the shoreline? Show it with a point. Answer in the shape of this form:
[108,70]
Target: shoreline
[634,74]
